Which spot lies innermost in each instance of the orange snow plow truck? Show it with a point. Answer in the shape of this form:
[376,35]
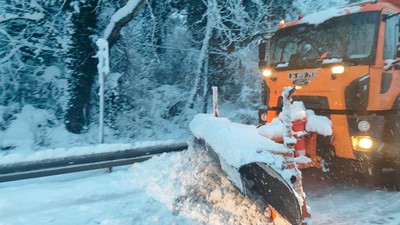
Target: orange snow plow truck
[344,64]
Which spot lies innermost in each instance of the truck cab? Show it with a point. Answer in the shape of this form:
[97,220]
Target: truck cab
[344,64]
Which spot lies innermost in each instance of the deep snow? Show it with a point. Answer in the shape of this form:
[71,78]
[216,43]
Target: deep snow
[183,188]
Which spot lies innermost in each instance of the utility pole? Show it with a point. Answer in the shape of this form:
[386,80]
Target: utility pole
[103,68]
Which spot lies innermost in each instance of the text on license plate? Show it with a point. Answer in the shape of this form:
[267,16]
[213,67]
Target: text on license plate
[302,75]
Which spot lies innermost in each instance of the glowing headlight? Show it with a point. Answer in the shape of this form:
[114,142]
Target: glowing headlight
[267,73]
[298,87]
[337,69]
[365,143]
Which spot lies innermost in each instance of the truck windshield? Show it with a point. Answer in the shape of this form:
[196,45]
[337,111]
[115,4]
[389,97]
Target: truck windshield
[350,38]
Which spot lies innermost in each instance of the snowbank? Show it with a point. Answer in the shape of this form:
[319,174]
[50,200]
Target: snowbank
[192,185]
[28,129]
[179,188]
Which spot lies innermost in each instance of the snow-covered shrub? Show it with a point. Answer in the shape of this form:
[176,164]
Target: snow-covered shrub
[29,130]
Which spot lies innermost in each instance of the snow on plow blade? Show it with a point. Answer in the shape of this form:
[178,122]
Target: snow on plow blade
[264,183]
[259,181]
[257,166]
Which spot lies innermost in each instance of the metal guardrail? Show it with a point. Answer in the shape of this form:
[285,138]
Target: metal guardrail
[33,169]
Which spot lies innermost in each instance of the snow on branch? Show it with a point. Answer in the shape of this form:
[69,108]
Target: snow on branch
[121,17]
[102,55]
[26,16]
[10,54]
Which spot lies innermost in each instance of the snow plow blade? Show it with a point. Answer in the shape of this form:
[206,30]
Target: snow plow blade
[258,181]
[262,182]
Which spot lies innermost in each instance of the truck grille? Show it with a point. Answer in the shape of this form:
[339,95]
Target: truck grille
[310,102]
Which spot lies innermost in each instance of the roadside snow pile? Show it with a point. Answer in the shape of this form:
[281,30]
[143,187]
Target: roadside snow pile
[191,184]
[125,197]
[319,124]
[28,129]
[33,129]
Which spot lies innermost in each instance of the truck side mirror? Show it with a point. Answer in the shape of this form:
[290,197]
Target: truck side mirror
[398,39]
[398,50]
[261,50]
[261,55]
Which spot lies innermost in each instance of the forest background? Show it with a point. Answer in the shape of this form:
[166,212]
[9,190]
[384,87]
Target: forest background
[164,60]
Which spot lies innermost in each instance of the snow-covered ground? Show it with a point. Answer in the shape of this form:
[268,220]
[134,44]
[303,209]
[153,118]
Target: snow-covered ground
[347,201]
[181,188]
[184,188]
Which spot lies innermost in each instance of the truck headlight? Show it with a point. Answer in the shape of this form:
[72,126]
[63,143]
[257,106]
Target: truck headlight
[337,69]
[363,143]
[266,72]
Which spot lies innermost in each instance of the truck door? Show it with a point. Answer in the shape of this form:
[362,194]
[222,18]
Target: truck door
[390,76]
[389,89]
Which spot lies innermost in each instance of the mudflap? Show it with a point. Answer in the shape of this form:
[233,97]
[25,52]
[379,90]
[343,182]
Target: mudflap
[265,183]
[261,182]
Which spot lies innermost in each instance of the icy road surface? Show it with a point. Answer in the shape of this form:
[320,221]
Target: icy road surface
[184,188]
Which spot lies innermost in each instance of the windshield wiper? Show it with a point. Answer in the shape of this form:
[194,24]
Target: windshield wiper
[349,61]
[328,57]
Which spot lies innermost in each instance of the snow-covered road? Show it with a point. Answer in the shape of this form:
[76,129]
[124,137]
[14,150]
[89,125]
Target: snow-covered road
[343,201]
[184,188]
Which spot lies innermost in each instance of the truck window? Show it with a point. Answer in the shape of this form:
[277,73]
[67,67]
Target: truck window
[351,37]
[391,38]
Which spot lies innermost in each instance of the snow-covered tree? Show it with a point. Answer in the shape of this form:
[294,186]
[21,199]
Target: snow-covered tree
[165,56]
[231,26]
[81,63]
[30,62]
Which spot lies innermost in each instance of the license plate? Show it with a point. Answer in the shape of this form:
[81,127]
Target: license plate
[302,75]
